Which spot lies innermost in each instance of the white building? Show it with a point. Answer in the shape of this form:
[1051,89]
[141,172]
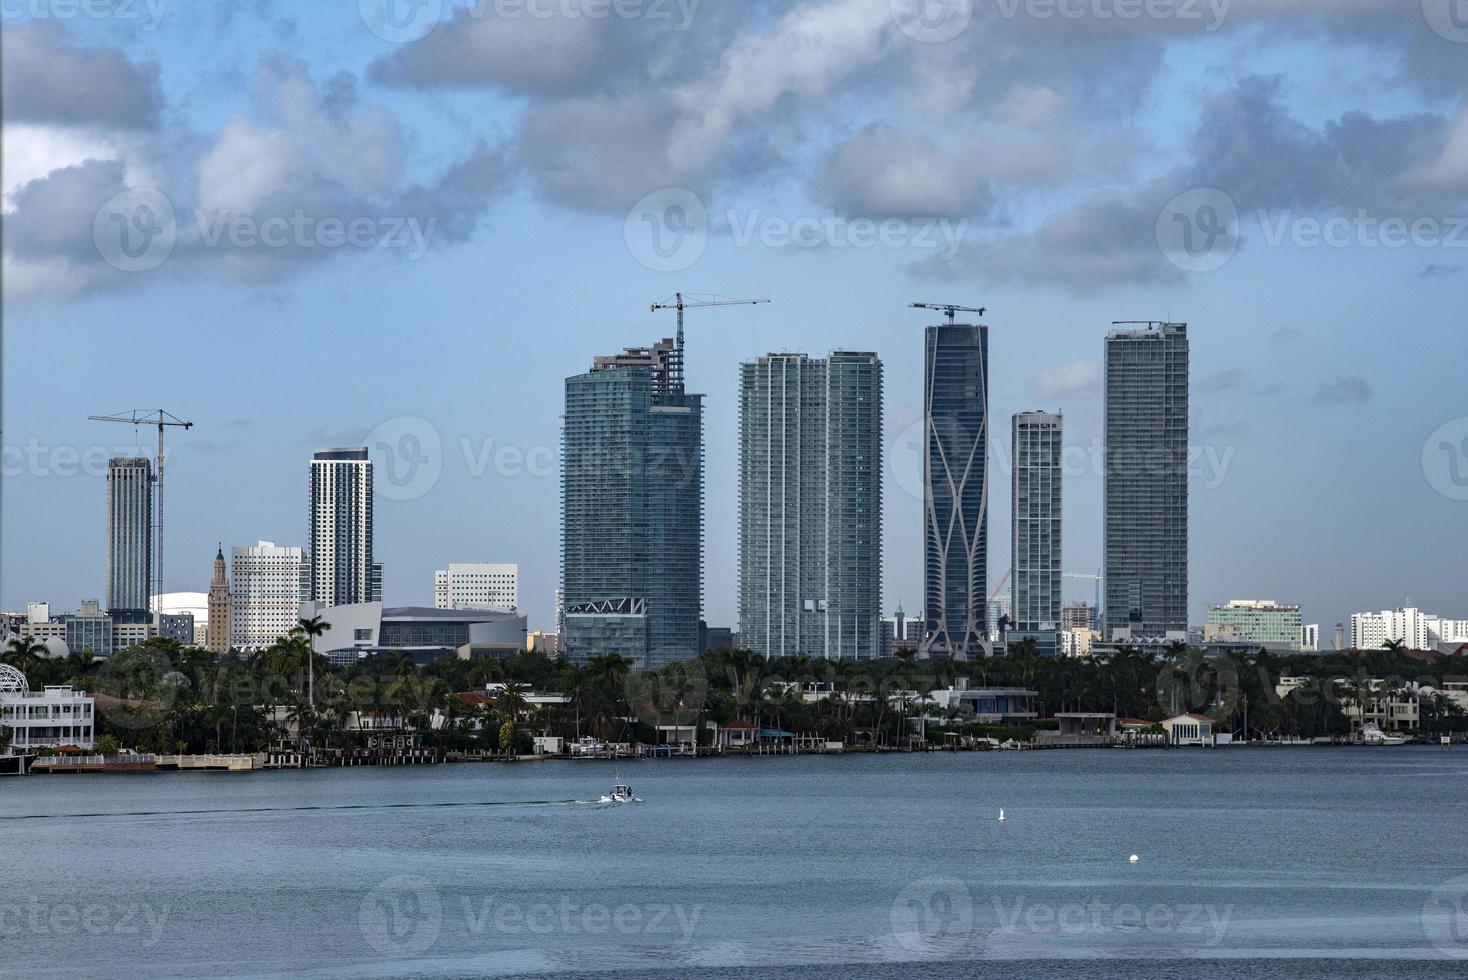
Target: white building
[342,568]
[1310,638]
[1189,729]
[37,612]
[51,718]
[1410,626]
[477,586]
[268,583]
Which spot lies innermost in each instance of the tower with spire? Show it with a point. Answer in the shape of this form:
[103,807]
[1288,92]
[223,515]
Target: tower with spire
[216,634]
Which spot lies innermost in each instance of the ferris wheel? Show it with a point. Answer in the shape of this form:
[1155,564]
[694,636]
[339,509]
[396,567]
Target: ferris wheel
[12,681]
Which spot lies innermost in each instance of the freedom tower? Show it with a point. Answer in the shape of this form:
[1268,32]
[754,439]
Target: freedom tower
[955,490]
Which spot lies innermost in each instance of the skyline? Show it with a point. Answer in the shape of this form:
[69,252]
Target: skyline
[1333,451]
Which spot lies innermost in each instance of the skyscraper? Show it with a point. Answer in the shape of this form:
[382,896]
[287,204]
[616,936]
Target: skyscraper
[129,535]
[1145,537]
[956,496]
[268,584]
[1036,523]
[216,633]
[810,505]
[340,529]
[632,510]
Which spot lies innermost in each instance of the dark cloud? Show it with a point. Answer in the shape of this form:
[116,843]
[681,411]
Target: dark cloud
[883,172]
[1344,390]
[46,80]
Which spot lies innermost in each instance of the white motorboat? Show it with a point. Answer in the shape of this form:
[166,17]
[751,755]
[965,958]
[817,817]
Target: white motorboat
[1373,735]
[587,747]
[620,794]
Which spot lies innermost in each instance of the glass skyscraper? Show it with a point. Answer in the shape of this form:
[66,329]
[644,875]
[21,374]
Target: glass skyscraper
[956,495]
[632,511]
[129,534]
[340,529]
[1036,524]
[1146,481]
[810,505]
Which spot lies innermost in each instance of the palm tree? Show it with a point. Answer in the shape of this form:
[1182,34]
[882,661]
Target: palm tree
[1394,646]
[24,652]
[312,628]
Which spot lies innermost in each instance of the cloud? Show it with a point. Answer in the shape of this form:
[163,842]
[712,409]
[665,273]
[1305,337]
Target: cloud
[883,172]
[1344,390]
[1227,379]
[1080,379]
[46,80]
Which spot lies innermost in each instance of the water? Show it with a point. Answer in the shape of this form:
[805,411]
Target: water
[854,866]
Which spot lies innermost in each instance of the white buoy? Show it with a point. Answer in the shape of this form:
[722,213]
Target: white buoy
[1134,859]
[1001,814]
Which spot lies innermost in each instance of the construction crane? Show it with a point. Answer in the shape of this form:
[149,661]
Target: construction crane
[948,309]
[679,303]
[161,419]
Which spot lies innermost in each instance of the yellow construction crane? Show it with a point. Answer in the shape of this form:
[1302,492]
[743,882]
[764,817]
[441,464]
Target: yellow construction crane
[679,303]
[161,419]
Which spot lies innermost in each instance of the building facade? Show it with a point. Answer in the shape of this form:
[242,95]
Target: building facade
[955,490]
[367,629]
[1035,521]
[1409,626]
[1310,638]
[217,626]
[810,505]
[1145,532]
[477,586]
[1078,616]
[340,529]
[46,719]
[267,585]
[632,510]
[1265,622]
[129,534]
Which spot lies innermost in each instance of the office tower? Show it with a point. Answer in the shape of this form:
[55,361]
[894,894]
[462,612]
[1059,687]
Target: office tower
[1077,616]
[955,498]
[1145,537]
[810,505]
[340,529]
[268,583]
[1036,527]
[477,586]
[216,632]
[632,510]
[1310,638]
[1255,621]
[129,535]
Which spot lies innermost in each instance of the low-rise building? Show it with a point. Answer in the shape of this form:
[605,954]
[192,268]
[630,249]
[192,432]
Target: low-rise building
[1189,729]
[987,705]
[51,718]
[360,630]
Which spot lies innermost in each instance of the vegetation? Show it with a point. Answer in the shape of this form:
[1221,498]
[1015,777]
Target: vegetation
[159,696]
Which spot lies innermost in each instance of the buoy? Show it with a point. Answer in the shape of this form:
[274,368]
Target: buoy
[1134,859]
[1001,815]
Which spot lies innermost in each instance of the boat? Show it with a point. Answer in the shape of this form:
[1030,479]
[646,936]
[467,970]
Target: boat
[621,793]
[1373,735]
[587,747]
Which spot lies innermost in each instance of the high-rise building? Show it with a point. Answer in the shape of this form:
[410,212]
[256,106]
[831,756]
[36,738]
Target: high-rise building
[268,583]
[129,535]
[1310,638]
[1036,526]
[216,631]
[1261,621]
[477,586]
[1411,627]
[340,529]
[1145,534]
[810,505]
[632,510]
[956,492]
[1078,616]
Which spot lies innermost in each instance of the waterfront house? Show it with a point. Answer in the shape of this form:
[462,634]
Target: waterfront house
[737,735]
[987,705]
[1081,729]
[51,718]
[1189,729]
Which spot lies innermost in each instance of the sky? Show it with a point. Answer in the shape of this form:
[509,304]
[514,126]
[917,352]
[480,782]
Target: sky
[402,224]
